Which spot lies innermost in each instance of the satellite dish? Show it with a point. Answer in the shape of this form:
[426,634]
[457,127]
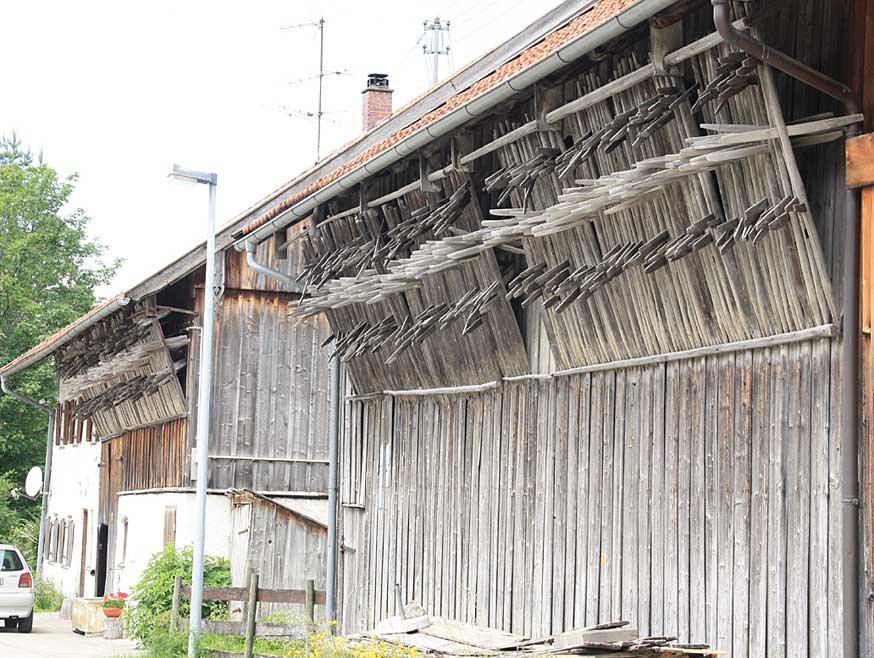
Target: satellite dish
[33,483]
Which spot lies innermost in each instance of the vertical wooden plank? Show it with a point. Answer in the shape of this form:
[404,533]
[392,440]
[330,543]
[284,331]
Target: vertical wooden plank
[758,555]
[725,504]
[607,557]
[583,439]
[711,495]
[798,501]
[741,512]
[645,503]
[673,393]
[777,505]
[631,482]
[697,546]
[596,491]
[819,435]
[659,506]
[835,506]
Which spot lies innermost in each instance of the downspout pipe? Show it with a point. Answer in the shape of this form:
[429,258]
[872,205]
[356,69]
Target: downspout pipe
[333,443]
[850,353]
[47,471]
[333,450]
[251,248]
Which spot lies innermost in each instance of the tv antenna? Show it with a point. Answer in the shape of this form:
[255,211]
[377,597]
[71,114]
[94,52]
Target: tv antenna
[320,76]
[438,45]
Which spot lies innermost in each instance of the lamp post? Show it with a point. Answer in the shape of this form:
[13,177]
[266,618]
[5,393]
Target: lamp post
[190,177]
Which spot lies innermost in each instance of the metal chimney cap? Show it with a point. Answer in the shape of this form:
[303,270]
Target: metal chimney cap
[377,80]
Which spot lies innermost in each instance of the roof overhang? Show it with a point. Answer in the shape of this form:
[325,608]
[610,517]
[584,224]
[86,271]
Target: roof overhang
[65,335]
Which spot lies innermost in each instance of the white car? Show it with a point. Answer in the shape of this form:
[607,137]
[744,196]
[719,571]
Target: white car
[16,590]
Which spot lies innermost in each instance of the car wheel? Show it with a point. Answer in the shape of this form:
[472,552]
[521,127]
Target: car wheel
[26,625]
[10,623]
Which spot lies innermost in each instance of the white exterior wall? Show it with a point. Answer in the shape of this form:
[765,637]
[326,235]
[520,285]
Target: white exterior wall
[145,530]
[75,487]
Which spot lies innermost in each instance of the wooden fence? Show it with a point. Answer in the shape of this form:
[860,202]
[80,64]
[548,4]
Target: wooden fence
[249,628]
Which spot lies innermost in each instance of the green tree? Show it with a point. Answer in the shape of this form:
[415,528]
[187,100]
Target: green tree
[49,269]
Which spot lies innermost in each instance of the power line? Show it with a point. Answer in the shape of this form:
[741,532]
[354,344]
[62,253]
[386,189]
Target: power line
[493,19]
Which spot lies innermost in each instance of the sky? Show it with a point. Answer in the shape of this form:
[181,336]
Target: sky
[116,92]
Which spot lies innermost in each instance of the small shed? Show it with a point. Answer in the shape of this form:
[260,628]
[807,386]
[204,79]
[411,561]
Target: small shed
[285,535]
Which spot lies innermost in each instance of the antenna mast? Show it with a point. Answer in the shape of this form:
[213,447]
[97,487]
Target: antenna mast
[438,29]
[319,113]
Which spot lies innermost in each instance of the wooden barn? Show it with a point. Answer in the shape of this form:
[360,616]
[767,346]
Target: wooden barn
[596,297]
[123,442]
[596,302]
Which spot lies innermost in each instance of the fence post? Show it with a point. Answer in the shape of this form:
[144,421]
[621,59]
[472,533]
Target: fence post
[174,609]
[311,601]
[250,616]
[250,569]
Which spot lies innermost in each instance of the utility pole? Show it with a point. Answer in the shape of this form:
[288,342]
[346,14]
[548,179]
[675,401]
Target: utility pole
[437,46]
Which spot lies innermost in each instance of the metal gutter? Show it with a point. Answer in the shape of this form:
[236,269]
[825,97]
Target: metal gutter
[52,345]
[850,352]
[462,114]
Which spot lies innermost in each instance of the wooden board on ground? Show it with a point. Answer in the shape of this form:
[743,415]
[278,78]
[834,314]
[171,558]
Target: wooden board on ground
[583,636]
[477,636]
[398,624]
[428,643]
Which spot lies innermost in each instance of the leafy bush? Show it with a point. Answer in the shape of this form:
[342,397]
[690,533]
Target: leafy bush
[46,597]
[152,596]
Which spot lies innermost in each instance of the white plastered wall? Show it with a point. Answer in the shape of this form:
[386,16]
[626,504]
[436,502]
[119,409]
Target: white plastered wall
[75,487]
[145,529]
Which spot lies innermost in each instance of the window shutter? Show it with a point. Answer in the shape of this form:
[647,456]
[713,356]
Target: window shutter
[170,525]
[71,532]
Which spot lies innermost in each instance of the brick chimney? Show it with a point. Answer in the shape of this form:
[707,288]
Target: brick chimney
[376,101]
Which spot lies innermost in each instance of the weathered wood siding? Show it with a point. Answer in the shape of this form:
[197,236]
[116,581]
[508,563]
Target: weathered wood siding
[146,458]
[285,548]
[697,498]
[269,426]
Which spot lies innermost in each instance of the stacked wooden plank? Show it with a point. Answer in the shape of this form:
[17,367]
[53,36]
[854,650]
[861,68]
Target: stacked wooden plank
[458,319]
[576,206]
[437,636]
[122,373]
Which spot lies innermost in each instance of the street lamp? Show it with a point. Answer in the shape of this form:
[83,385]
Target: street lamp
[189,177]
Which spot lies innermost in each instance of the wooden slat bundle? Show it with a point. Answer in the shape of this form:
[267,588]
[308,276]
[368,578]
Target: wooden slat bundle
[370,329]
[127,378]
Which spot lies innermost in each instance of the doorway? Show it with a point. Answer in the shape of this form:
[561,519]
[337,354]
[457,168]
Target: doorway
[102,554]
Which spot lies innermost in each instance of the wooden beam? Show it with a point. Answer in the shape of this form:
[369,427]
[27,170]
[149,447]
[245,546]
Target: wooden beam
[860,161]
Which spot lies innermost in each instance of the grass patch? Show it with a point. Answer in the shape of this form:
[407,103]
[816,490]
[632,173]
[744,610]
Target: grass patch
[272,646]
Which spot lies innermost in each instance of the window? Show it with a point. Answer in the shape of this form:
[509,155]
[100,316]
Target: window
[9,561]
[71,532]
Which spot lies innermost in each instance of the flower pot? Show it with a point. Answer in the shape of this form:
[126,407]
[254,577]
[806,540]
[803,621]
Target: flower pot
[113,613]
